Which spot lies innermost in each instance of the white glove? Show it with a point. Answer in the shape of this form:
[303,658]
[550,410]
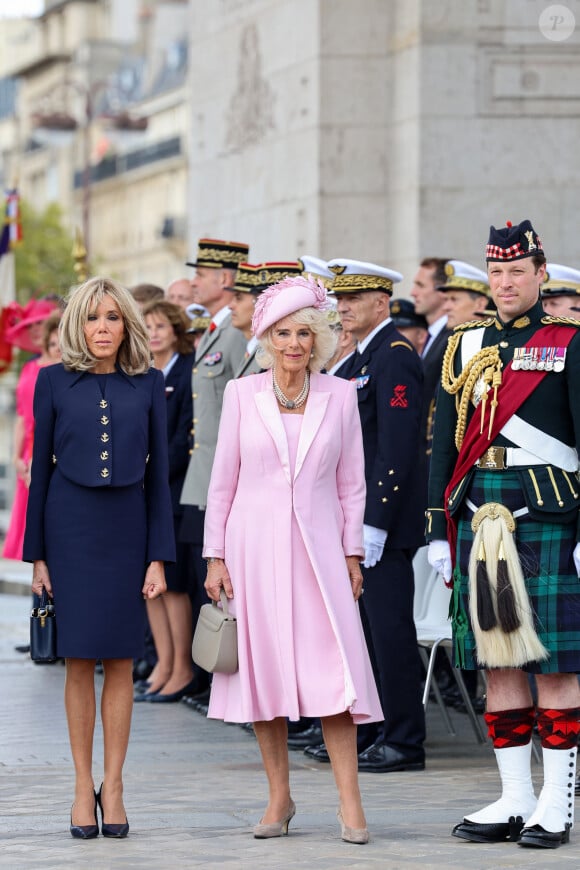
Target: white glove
[374,544]
[439,557]
[576,555]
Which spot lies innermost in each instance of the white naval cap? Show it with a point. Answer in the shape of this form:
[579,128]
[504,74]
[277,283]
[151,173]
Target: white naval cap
[357,276]
[560,281]
[196,310]
[463,276]
[317,267]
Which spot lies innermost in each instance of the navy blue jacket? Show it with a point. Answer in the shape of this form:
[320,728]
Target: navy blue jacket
[389,380]
[179,416]
[112,442]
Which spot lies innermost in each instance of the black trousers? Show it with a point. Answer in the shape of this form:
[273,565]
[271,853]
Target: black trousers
[387,611]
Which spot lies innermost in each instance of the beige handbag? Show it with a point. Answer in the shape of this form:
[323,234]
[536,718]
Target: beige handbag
[215,642]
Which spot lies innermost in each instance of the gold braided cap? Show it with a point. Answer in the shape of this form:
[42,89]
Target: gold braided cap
[359,283]
[199,324]
[218,254]
[557,285]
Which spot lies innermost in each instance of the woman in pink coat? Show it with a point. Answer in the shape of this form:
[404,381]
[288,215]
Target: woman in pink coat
[283,537]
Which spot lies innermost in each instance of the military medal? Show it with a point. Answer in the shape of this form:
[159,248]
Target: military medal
[559,359]
[517,361]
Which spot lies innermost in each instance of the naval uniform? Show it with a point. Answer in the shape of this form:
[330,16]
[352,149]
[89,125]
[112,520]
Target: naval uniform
[389,384]
[540,485]
[99,508]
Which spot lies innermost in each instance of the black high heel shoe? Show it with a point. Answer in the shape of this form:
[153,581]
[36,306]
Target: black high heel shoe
[119,832]
[85,832]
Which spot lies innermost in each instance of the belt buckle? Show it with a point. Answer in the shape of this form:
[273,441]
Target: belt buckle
[493,459]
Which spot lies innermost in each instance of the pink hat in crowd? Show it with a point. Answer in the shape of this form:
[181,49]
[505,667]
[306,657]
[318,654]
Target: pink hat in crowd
[286,297]
[20,317]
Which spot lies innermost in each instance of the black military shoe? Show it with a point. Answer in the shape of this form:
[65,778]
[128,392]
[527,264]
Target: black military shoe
[494,832]
[381,758]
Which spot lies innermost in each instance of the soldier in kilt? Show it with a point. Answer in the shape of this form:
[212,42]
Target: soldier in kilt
[503,526]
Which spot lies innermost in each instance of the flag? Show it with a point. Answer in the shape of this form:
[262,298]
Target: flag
[10,236]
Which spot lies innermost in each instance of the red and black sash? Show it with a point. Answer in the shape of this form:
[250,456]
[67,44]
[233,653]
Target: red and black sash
[511,395]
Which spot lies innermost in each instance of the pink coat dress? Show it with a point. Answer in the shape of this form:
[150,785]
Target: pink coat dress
[24,399]
[285,506]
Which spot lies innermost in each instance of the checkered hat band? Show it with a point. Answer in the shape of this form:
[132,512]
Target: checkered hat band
[494,252]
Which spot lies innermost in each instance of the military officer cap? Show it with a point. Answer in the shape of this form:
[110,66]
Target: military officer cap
[403,314]
[196,310]
[270,273]
[462,276]
[560,281]
[199,324]
[217,254]
[513,243]
[246,279]
[318,269]
[255,277]
[356,276]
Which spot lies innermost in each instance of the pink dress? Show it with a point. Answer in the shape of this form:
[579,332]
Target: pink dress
[24,401]
[285,506]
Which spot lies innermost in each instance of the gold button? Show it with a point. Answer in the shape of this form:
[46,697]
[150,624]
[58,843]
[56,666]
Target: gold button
[104,437]
[103,403]
[210,374]
[104,472]
[195,419]
[105,455]
[195,446]
[504,344]
[380,483]
[190,452]
[391,471]
[194,395]
[395,488]
[384,500]
[193,431]
[105,420]
[194,371]
[53,459]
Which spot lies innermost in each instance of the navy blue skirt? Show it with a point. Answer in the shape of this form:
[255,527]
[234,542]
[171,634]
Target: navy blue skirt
[96,539]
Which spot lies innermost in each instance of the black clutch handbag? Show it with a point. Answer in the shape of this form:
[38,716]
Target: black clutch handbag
[43,631]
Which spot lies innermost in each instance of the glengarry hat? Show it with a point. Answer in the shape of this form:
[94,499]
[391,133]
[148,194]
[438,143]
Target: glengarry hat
[357,276]
[286,297]
[218,254]
[560,281]
[462,276]
[512,243]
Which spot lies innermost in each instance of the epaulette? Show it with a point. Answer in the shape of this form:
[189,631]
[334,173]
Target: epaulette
[401,344]
[471,324]
[563,321]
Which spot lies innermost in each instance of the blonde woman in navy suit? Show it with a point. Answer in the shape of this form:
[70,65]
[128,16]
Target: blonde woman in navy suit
[99,524]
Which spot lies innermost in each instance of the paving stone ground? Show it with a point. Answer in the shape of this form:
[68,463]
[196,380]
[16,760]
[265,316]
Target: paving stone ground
[195,787]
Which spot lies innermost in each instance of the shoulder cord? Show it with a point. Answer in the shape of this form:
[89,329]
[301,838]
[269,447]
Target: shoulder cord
[486,364]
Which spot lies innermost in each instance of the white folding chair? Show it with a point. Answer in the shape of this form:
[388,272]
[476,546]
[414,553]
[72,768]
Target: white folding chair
[433,626]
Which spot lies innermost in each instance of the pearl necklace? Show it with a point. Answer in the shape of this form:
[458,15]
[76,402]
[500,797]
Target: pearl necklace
[291,404]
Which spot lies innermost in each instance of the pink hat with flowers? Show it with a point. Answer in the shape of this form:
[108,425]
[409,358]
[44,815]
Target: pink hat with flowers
[286,297]
[20,317]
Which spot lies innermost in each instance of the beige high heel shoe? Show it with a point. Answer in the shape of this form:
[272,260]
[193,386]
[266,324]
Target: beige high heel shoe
[275,829]
[352,835]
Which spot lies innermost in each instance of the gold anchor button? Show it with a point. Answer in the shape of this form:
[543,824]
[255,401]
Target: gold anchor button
[104,437]
[103,403]
[104,472]
[363,370]
[104,455]
[105,420]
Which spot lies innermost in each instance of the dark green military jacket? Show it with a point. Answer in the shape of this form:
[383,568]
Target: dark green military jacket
[553,408]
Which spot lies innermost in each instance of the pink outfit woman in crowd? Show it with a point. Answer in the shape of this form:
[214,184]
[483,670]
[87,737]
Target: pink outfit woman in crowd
[284,538]
[36,331]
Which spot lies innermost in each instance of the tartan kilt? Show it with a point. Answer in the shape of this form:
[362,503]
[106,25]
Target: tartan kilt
[545,551]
